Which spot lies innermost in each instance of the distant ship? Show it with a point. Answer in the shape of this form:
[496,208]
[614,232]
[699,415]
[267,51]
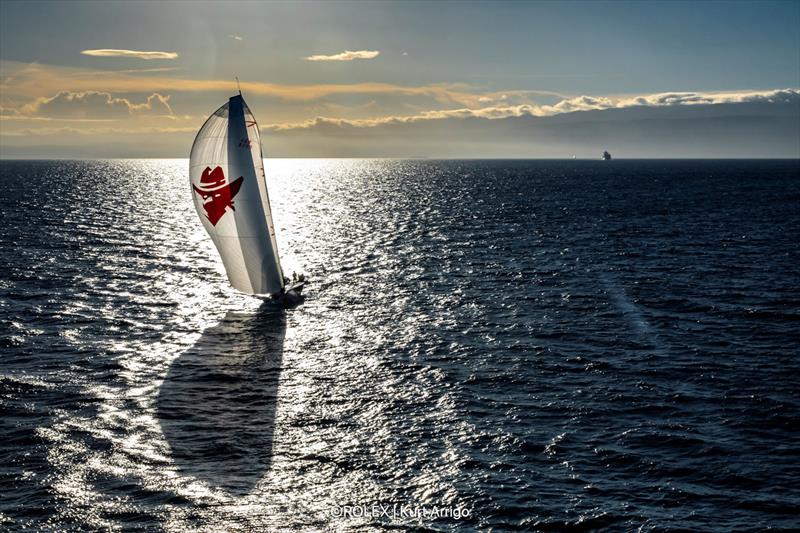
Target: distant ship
[606,156]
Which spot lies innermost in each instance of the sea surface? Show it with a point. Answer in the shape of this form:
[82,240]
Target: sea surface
[529,345]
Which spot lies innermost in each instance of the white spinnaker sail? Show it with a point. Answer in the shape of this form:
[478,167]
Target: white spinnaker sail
[226,171]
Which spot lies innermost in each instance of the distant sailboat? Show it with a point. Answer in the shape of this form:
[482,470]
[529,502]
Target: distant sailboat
[606,156]
[229,188]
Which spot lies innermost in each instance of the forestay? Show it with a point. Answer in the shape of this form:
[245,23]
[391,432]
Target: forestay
[229,188]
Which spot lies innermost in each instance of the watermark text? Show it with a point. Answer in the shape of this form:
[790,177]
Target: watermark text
[396,511]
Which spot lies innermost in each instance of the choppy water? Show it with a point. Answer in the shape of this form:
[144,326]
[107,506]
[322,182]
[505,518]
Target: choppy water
[549,345]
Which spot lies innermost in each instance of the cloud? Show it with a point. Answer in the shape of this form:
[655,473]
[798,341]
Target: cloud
[67,130]
[777,96]
[490,113]
[236,37]
[94,104]
[766,124]
[30,80]
[34,95]
[746,129]
[110,52]
[568,105]
[486,112]
[588,103]
[347,55]
[146,70]
[580,103]
[8,112]
[21,82]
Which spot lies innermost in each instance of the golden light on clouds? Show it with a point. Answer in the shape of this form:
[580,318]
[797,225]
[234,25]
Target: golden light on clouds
[111,52]
[347,55]
[34,80]
[154,112]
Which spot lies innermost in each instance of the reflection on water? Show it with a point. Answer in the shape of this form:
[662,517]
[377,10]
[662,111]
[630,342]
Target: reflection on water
[216,406]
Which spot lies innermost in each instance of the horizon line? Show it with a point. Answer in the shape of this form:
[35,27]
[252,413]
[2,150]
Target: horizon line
[427,158]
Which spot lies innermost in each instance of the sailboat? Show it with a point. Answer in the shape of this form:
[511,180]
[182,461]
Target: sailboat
[229,190]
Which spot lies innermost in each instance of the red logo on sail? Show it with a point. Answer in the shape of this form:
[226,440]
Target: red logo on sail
[216,193]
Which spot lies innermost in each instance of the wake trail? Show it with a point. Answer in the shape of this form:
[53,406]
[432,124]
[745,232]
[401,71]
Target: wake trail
[632,313]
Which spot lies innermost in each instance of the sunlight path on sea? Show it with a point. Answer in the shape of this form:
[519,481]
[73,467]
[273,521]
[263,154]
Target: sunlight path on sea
[175,301]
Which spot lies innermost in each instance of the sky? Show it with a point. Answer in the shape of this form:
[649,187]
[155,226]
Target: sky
[404,79]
